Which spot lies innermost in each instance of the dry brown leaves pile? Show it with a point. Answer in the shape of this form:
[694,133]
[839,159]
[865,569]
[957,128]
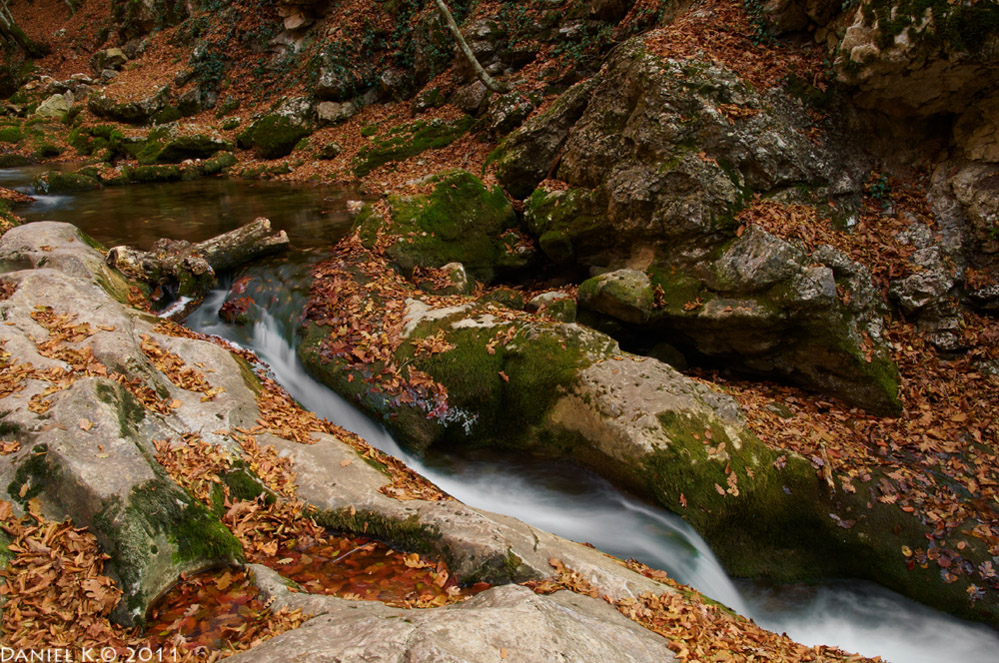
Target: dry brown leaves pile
[282,416]
[697,628]
[270,528]
[54,589]
[179,373]
[723,31]
[361,301]
[938,459]
[56,595]
[872,241]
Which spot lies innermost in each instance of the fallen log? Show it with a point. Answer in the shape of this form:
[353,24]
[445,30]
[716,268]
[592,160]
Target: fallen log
[177,268]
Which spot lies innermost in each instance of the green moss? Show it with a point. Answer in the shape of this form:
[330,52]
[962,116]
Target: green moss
[130,411]
[14,161]
[540,365]
[5,554]
[565,223]
[167,114]
[11,135]
[46,150]
[773,528]
[158,508]
[36,472]
[461,221]
[961,26]
[56,182]
[244,484]
[218,163]
[409,534]
[678,290]
[408,141]
[143,174]
[366,225]
[272,136]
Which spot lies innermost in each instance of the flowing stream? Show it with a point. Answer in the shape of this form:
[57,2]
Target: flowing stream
[555,496]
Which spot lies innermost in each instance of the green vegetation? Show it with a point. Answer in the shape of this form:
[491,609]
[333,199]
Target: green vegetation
[272,136]
[408,140]
[961,26]
[32,476]
[461,221]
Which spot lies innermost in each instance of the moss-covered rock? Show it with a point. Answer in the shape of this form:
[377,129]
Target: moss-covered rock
[57,182]
[460,221]
[140,111]
[408,140]
[196,146]
[159,531]
[143,174]
[625,294]
[272,136]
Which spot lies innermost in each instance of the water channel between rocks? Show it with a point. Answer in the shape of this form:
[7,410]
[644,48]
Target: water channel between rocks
[557,497]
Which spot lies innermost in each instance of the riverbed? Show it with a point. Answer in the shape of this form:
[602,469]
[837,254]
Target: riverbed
[559,497]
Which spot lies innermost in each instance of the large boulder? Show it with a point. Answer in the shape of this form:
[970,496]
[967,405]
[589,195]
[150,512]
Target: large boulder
[762,305]
[661,155]
[275,134]
[137,111]
[506,623]
[461,220]
[672,149]
[89,400]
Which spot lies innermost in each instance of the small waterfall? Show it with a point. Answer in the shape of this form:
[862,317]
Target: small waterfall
[578,504]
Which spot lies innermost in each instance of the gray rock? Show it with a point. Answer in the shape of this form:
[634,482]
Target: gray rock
[330,150]
[131,112]
[110,58]
[527,154]
[504,623]
[928,63]
[55,107]
[331,112]
[471,98]
[507,112]
[95,423]
[625,294]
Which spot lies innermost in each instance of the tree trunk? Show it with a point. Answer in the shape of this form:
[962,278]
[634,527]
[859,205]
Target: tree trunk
[487,80]
[178,268]
[10,29]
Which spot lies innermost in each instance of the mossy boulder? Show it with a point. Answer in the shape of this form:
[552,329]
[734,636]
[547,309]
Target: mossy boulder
[767,306]
[145,174]
[460,221]
[58,182]
[273,136]
[196,146]
[11,135]
[625,294]
[140,111]
[408,140]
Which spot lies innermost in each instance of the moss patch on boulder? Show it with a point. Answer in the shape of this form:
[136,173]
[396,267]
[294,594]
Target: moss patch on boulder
[272,136]
[461,221]
[408,140]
